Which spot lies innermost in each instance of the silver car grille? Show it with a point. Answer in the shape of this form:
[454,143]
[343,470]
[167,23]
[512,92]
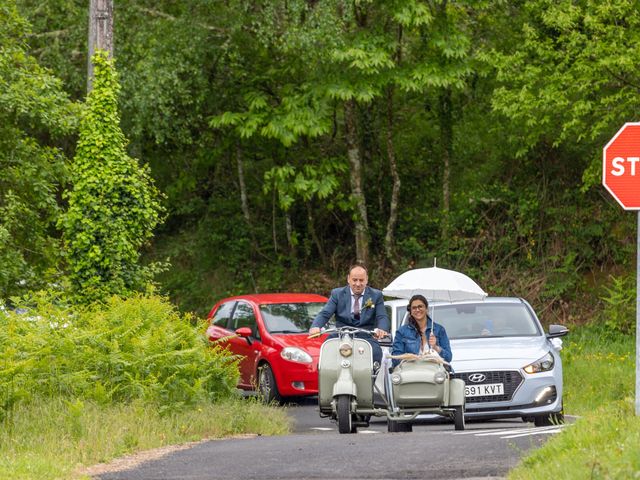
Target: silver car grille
[511,379]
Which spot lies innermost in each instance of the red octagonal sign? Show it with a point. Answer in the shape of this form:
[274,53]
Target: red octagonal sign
[621,166]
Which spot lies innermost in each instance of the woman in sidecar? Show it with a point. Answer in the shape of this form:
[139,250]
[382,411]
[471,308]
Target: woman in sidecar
[421,334]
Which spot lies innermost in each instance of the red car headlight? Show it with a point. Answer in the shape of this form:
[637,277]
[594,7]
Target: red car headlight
[295,354]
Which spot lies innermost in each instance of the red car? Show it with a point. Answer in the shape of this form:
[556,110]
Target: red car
[271,334]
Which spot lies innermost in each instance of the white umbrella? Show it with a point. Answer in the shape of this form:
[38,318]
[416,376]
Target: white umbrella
[436,284]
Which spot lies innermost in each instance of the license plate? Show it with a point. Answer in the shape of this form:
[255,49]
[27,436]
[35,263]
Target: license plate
[483,390]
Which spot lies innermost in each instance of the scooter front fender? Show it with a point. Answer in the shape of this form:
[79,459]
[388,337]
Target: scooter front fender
[345,384]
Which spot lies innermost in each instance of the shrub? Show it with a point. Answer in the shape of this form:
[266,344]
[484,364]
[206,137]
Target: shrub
[138,348]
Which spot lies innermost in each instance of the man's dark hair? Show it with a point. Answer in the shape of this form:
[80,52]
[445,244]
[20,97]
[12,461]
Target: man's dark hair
[358,265]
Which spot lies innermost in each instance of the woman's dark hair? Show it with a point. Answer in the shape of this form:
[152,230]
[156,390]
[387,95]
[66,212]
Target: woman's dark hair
[412,321]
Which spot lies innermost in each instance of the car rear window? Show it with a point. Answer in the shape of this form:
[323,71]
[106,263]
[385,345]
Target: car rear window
[486,320]
[289,317]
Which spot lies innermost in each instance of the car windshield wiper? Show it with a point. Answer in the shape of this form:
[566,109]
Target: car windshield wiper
[286,331]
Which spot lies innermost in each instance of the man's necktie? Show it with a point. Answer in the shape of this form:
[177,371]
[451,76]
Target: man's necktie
[356,306]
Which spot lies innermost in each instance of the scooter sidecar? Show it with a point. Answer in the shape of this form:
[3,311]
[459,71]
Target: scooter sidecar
[422,387]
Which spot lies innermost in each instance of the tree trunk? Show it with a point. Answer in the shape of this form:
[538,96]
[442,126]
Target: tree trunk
[446,142]
[244,202]
[314,234]
[355,160]
[389,239]
[274,230]
[290,237]
[100,33]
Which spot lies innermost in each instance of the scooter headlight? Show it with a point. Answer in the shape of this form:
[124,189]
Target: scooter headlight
[439,377]
[543,364]
[395,379]
[346,350]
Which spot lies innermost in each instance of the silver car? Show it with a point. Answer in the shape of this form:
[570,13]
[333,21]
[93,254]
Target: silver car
[510,366]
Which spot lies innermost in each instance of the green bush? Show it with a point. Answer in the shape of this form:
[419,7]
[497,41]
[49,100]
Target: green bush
[138,348]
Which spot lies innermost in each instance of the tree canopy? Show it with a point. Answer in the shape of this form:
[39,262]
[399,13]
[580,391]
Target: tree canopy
[298,136]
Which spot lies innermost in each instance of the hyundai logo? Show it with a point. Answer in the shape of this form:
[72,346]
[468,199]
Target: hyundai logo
[477,377]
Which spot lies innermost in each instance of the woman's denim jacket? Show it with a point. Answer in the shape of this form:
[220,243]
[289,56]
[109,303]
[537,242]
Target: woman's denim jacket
[407,340]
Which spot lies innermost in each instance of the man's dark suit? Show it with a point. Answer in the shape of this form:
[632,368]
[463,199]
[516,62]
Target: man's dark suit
[372,313]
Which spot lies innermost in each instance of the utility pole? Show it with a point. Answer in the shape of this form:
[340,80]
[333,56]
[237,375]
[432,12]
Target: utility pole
[100,33]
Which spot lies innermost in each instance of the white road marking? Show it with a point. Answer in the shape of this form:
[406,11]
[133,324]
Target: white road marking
[514,432]
[544,432]
[477,432]
[329,429]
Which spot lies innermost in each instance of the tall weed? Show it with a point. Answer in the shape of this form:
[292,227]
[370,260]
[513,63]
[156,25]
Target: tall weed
[620,304]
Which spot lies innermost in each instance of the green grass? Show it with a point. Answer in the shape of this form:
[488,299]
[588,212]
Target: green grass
[55,439]
[599,367]
[604,443]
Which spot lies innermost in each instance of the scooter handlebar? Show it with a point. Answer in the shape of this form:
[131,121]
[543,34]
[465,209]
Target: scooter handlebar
[345,330]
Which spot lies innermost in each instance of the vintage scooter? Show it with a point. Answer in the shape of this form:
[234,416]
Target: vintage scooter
[348,393]
[346,378]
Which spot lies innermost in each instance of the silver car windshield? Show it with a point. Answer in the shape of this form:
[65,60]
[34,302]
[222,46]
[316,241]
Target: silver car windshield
[289,317]
[486,320]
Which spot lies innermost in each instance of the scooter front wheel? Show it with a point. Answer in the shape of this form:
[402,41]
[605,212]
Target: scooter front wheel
[343,408]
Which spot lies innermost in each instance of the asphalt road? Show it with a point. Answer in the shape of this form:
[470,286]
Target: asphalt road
[434,450]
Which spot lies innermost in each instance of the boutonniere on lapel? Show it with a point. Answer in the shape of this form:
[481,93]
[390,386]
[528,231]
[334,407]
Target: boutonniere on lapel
[369,303]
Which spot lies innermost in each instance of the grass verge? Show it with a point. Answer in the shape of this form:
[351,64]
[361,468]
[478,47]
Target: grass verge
[604,443]
[54,439]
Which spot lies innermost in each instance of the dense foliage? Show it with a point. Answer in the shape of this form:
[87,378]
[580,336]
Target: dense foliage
[139,348]
[113,205]
[298,136]
[36,118]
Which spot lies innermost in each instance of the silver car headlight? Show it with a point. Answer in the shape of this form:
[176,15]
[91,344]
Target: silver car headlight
[543,364]
[295,354]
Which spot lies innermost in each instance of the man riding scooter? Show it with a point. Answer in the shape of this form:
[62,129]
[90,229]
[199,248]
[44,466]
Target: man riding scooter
[356,305]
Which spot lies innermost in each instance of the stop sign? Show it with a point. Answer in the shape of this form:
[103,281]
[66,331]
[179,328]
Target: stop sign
[621,166]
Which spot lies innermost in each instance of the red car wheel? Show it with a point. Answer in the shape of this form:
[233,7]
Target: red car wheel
[267,385]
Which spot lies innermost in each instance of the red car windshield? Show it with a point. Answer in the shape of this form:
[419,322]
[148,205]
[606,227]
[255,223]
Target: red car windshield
[289,317]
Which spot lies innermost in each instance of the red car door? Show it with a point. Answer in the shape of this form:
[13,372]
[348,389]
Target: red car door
[248,348]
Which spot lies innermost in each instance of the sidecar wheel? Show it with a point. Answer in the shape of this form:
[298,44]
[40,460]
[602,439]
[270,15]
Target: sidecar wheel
[458,418]
[399,427]
[343,408]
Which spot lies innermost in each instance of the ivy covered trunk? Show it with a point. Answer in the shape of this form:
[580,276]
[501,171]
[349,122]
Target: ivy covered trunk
[113,204]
